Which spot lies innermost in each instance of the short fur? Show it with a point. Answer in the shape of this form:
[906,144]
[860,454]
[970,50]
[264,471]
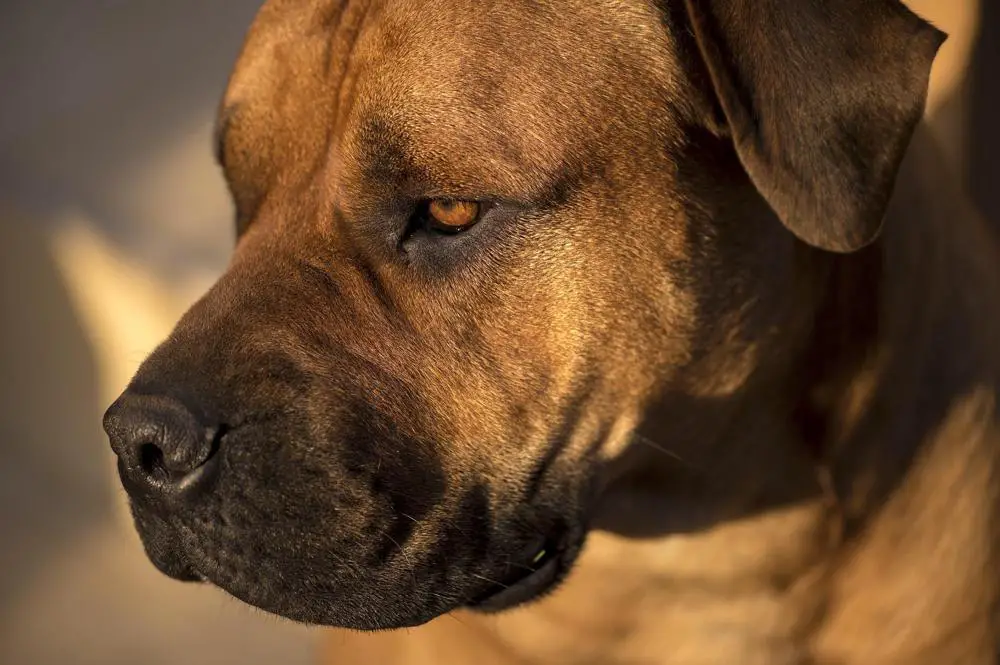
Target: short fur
[783,445]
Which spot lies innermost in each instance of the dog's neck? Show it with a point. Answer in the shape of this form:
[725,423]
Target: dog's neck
[845,512]
[910,434]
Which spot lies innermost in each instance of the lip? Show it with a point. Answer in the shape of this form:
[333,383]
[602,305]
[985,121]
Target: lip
[175,565]
[534,585]
[538,580]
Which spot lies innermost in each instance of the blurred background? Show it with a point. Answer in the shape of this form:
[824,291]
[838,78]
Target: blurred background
[113,219]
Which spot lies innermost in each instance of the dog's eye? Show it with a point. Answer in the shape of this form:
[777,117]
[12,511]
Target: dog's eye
[451,215]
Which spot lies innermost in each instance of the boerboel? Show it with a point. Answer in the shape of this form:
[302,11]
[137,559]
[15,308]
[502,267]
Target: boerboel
[516,276]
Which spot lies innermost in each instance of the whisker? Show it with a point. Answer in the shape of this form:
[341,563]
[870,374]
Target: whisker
[406,557]
[460,622]
[486,579]
[646,441]
[519,565]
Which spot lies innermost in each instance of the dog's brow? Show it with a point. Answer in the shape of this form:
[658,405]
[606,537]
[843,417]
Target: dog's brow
[388,155]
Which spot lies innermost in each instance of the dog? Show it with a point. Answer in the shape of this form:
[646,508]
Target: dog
[587,332]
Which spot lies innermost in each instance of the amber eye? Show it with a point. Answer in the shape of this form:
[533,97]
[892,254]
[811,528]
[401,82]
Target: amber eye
[452,215]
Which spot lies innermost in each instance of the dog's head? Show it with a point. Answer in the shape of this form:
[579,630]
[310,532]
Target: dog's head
[478,242]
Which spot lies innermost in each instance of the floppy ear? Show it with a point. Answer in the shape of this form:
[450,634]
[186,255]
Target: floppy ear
[821,98]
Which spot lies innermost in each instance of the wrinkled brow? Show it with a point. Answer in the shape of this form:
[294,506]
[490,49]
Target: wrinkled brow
[389,158]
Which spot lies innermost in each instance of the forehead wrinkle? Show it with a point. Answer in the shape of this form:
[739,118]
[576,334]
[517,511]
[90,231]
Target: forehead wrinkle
[517,116]
[391,150]
[516,134]
[382,149]
[436,130]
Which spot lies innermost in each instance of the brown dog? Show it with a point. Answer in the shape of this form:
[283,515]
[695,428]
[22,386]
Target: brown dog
[513,273]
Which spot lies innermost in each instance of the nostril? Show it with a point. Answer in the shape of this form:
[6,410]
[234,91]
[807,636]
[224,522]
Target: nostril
[163,449]
[216,440]
[152,464]
[158,468]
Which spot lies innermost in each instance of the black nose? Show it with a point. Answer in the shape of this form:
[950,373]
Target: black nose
[163,451]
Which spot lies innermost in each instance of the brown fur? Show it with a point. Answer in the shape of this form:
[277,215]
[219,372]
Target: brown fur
[793,453]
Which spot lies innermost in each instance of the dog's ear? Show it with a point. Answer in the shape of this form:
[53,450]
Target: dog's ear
[821,98]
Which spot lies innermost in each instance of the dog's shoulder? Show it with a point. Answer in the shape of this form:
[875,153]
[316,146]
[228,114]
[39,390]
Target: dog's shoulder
[923,457]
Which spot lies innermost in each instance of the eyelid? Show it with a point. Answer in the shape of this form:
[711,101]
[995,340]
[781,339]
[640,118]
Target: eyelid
[484,205]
